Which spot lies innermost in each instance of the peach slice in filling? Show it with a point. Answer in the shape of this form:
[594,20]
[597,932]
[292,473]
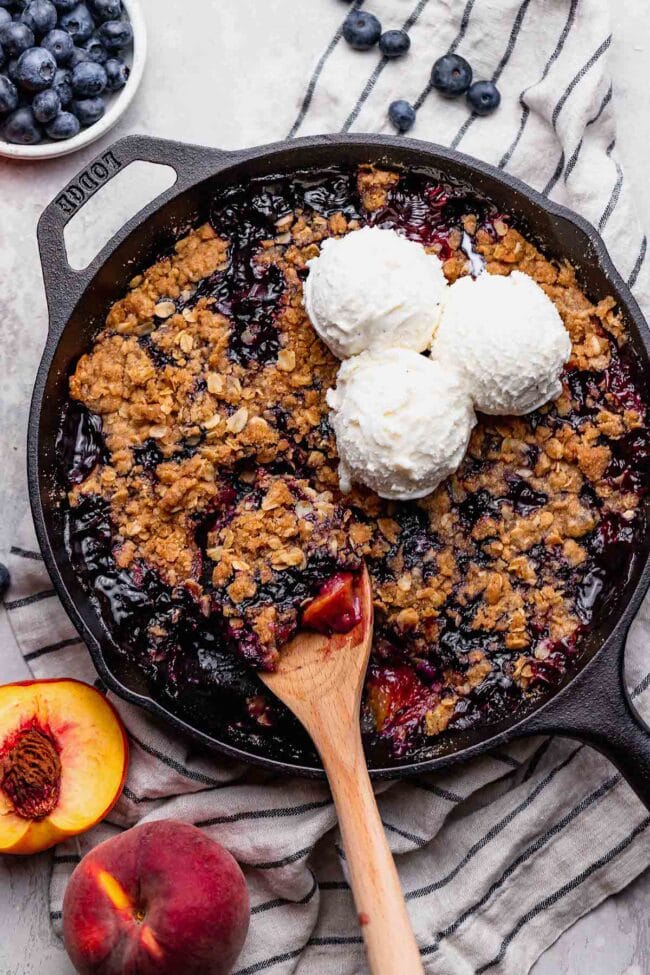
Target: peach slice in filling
[336,608]
[63,762]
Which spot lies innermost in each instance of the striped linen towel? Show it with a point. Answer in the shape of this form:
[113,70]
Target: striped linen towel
[500,856]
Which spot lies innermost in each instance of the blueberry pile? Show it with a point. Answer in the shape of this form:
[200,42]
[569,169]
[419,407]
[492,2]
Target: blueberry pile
[451,76]
[59,60]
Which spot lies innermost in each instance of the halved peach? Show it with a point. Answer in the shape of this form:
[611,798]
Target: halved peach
[63,762]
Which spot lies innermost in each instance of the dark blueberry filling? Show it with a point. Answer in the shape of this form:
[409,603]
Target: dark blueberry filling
[429,215]
[248,293]
[159,357]
[80,444]
[328,193]
[522,496]
[148,456]
[476,506]
[188,657]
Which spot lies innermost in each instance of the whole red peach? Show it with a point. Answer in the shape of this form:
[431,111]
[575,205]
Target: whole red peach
[159,899]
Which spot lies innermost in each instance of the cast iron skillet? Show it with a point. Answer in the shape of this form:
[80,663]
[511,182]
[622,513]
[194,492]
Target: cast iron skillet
[592,705]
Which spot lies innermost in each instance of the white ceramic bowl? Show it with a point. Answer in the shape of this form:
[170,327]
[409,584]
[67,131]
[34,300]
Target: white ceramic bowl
[117,104]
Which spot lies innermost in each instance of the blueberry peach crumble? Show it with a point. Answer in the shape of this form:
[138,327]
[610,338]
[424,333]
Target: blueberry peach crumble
[205,515]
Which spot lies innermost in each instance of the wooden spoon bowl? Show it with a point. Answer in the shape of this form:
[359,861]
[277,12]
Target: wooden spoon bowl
[320,678]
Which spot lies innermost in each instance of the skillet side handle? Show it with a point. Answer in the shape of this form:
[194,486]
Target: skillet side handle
[63,284]
[596,708]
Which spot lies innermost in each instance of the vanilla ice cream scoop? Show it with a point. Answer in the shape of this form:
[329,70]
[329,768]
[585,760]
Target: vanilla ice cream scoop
[506,338]
[402,422]
[374,289]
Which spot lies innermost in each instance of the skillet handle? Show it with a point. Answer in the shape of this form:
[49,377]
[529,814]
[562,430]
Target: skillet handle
[596,708]
[63,284]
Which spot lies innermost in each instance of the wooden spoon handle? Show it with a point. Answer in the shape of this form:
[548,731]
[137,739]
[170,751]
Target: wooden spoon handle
[385,925]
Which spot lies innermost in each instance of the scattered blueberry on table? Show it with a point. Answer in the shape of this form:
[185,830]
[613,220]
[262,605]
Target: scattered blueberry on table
[402,115]
[59,61]
[394,43]
[361,30]
[483,97]
[5,579]
[451,75]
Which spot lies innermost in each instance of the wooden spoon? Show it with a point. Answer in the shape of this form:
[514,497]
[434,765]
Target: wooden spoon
[320,679]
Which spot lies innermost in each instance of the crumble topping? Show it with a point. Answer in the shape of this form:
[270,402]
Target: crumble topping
[272,530]
[221,467]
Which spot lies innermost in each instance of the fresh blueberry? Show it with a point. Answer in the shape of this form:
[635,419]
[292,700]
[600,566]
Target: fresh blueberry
[46,106]
[8,95]
[40,16]
[484,97]
[402,115]
[16,38]
[77,57]
[95,50]
[62,85]
[22,128]
[78,23]
[6,3]
[88,110]
[64,126]
[12,69]
[394,43]
[3,56]
[5,579]
[115,34]
[106,9]
[88,79]
[65,6]
[451,75]
[361,30]
[36,69]
[117,73]
[59,44]
[5,16]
